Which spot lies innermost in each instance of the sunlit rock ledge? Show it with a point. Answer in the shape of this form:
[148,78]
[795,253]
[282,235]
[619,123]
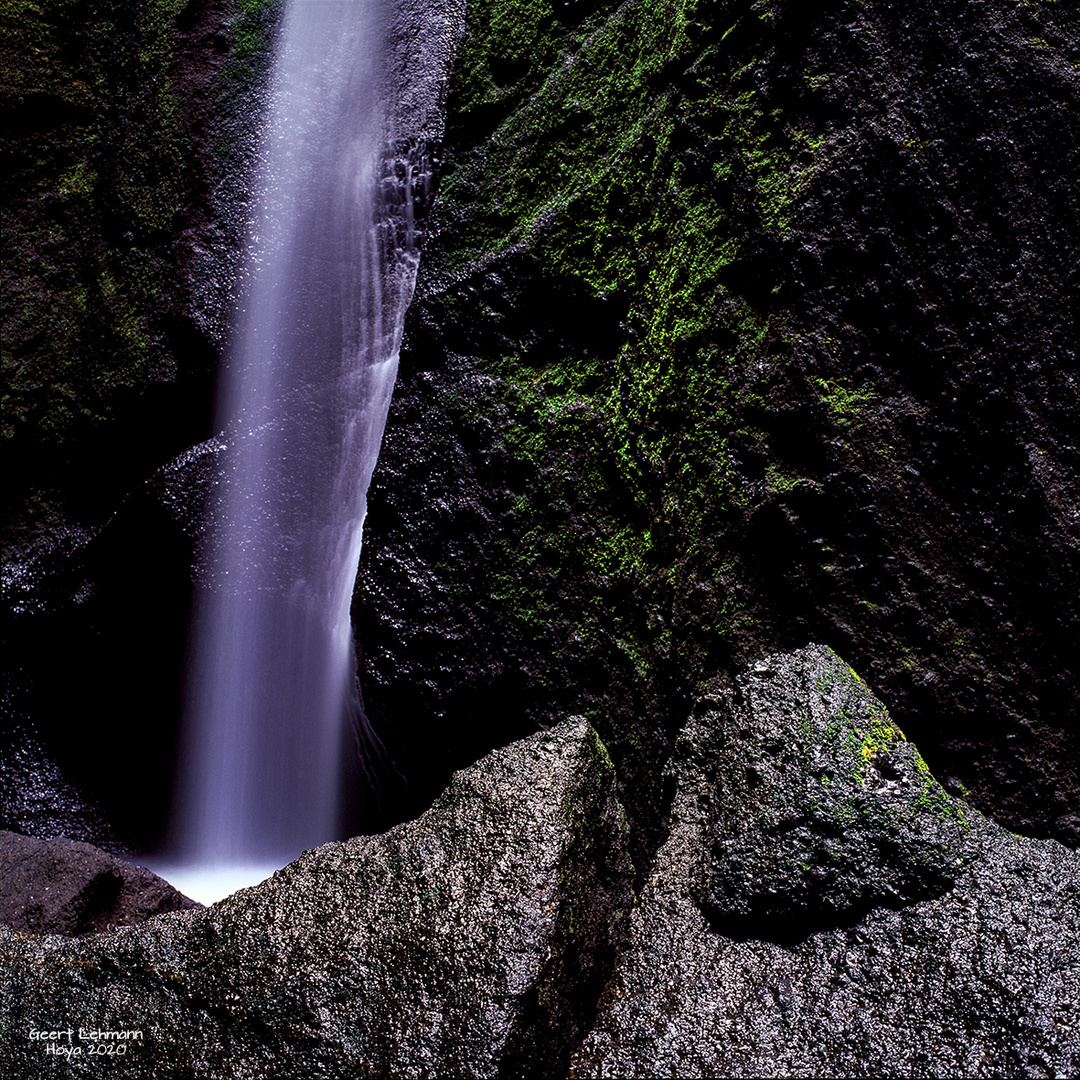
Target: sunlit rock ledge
[821,906]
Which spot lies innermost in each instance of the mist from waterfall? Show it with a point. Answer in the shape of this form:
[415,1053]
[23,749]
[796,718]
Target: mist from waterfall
[302,406]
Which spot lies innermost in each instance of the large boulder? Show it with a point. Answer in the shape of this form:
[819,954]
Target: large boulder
[450,946]
[67,887]
[822,907]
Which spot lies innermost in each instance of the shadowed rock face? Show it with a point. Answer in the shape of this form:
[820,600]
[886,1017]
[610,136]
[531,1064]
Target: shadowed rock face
[917,938]
[130,136]
[497,935]
[67,887]
[469,937]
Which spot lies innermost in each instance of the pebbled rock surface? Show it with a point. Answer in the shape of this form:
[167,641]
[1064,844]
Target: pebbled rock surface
[68,887]
[822,907]
[446,947]
[818,808]
[37,799]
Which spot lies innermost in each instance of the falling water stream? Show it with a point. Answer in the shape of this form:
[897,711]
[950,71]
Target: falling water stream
[273,708]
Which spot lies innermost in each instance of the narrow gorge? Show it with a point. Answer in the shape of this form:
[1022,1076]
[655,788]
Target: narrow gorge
[719,345]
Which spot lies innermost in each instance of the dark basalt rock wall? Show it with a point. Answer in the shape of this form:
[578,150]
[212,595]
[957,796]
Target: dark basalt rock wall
[741,325]
[127,130]
[498,934]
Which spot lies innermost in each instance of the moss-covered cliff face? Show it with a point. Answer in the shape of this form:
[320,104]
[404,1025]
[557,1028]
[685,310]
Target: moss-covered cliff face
[127,131]
[743,324]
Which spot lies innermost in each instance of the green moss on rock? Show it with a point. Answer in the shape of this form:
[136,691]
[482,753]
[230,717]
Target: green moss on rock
[103,167]
[820,813]
[697,370]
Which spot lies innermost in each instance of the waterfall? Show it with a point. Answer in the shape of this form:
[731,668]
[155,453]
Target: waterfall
[330,268]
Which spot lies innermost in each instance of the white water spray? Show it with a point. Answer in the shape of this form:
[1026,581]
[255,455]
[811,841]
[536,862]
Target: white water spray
[303,406]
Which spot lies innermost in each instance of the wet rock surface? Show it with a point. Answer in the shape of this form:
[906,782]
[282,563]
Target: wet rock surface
[818,808]
[68,887]
[881,928]
[37,799]
[93,630]
[742,326]
[130,137]
[441,948]
[962,966]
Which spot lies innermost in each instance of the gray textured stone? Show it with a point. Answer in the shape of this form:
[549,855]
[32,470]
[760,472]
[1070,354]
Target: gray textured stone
[817,806]
[422,39]
[432,950]
[820,907]
[865,979]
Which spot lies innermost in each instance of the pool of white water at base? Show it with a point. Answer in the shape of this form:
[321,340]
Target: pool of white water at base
[209,884]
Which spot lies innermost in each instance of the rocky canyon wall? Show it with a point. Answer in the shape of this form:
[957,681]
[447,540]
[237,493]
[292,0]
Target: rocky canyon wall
[743,324]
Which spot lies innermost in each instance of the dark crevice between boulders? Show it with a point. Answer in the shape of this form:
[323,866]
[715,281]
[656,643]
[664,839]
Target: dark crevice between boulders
[602,887]
[596,898]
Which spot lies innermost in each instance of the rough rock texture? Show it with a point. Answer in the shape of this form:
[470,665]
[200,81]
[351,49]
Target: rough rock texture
[819,807]
[743,323]
[36,798]
[820,907]
[127,130]
[93,633]
[916,938]
[446,947]
[68,887]
[422,40]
